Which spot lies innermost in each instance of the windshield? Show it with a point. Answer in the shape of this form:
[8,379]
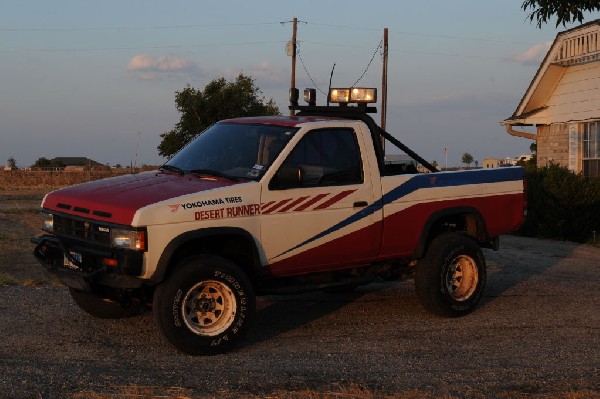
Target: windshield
[232,150]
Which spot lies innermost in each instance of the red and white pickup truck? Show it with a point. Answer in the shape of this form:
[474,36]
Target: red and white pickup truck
[269,205]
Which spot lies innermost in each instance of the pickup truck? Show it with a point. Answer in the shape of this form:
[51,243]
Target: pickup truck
[274,205]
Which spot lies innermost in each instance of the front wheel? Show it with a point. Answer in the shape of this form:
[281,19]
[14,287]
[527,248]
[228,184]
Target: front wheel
[205,306]
[451,277]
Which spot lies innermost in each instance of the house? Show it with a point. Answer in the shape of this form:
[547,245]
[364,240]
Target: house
[490,163]
[563,102]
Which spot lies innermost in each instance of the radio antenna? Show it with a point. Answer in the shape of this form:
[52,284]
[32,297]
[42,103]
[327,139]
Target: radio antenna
[330,79]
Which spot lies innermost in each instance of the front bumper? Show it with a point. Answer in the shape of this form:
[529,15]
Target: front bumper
[88,270]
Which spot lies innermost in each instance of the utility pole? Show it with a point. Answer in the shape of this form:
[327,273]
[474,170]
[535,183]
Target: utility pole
[293,81]
[384,84]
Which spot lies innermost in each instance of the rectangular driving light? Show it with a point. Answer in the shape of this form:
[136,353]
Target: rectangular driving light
[363,95]
[128,239]
[339,96]
[47,222]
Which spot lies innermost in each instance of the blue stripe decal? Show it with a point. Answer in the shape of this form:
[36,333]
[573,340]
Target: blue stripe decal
[446,179]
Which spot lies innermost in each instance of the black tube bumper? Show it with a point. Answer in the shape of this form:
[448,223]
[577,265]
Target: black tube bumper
[86,269]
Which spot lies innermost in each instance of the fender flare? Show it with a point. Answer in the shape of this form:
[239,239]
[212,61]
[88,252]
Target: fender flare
[424,238]
[176,243]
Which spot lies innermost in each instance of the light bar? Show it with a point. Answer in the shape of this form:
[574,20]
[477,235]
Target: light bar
[339,95]
[363,95]
[360,95]
[310,96]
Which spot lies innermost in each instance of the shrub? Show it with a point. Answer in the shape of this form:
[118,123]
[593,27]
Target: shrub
[561,204]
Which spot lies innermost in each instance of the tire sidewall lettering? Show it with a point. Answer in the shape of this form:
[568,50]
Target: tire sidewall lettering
[241,302]
[177,308]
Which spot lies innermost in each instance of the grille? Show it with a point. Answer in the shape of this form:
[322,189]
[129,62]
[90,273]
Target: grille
[86,230]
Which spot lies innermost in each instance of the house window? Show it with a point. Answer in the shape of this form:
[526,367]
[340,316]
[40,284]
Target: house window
[591,150]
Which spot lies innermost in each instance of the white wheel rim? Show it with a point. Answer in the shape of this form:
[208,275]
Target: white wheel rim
[462,278]
[209,308]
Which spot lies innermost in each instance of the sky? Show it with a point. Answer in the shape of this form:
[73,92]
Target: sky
[98,78]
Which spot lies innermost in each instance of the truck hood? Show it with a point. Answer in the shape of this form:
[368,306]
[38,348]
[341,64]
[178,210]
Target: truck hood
[116,199]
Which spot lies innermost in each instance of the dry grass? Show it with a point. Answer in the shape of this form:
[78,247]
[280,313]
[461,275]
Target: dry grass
[15,179]
[351,391]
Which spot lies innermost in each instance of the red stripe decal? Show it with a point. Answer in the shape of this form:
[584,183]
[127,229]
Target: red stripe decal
[310,202]
[293,204]
[277,205]
[334,199]
[264,206]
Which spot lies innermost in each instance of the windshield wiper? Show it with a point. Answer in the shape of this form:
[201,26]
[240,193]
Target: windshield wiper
[172,168]
[215,173]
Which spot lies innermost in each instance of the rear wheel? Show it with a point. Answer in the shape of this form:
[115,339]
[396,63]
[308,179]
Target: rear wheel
[205,306]
[450,279]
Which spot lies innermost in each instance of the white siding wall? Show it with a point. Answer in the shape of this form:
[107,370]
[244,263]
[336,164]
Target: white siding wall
[576,98]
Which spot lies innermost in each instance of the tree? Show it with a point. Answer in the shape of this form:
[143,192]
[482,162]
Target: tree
[565,10]
[219,100]
[533,147]
[43,162]
[11,162]
[467,159]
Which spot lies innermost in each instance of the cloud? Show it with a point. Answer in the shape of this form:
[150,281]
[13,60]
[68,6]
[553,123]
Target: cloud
[533,55]
[266,74]
[148,67]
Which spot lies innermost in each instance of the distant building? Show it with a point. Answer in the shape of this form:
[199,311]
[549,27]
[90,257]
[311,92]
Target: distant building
[77,163]
[563,102]
[490,163]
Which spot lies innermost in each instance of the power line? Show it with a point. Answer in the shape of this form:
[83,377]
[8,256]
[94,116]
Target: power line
[369,64]
[308,74]
[84,49]
[195,26]
[133,28]
[368,29]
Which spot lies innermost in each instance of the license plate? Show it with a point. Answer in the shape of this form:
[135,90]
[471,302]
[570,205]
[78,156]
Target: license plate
[71,265]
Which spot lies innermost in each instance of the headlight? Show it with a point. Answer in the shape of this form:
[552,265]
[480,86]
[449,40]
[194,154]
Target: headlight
[47,222]
[128,239]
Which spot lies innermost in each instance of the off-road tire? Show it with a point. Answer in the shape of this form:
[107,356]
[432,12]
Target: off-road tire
[104,308]
[205,306]
[450,279]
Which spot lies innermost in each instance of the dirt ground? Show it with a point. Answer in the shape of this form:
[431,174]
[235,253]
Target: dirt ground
[19,221]
[535,335]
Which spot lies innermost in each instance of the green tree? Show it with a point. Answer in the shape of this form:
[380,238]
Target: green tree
[467,159]
[44,162]
[11,162]
[219,100]
[565,10]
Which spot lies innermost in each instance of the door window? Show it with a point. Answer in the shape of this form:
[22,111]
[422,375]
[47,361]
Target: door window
[326,157]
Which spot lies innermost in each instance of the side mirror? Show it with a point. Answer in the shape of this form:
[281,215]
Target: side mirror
[288,176]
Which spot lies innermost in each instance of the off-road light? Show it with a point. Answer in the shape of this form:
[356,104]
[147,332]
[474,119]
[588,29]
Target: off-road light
[294,95]
[128,239]
[47,222]
[363,95]
[339,96]
[310,96]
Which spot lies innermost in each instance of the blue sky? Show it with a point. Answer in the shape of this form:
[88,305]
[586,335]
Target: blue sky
[97,79]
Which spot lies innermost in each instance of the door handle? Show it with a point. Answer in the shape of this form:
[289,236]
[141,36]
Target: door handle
[360,204]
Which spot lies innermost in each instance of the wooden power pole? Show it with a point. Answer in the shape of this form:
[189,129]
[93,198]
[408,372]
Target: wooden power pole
[293,81]
[384,83]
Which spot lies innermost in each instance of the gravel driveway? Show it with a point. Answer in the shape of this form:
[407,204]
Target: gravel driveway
[537,331]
